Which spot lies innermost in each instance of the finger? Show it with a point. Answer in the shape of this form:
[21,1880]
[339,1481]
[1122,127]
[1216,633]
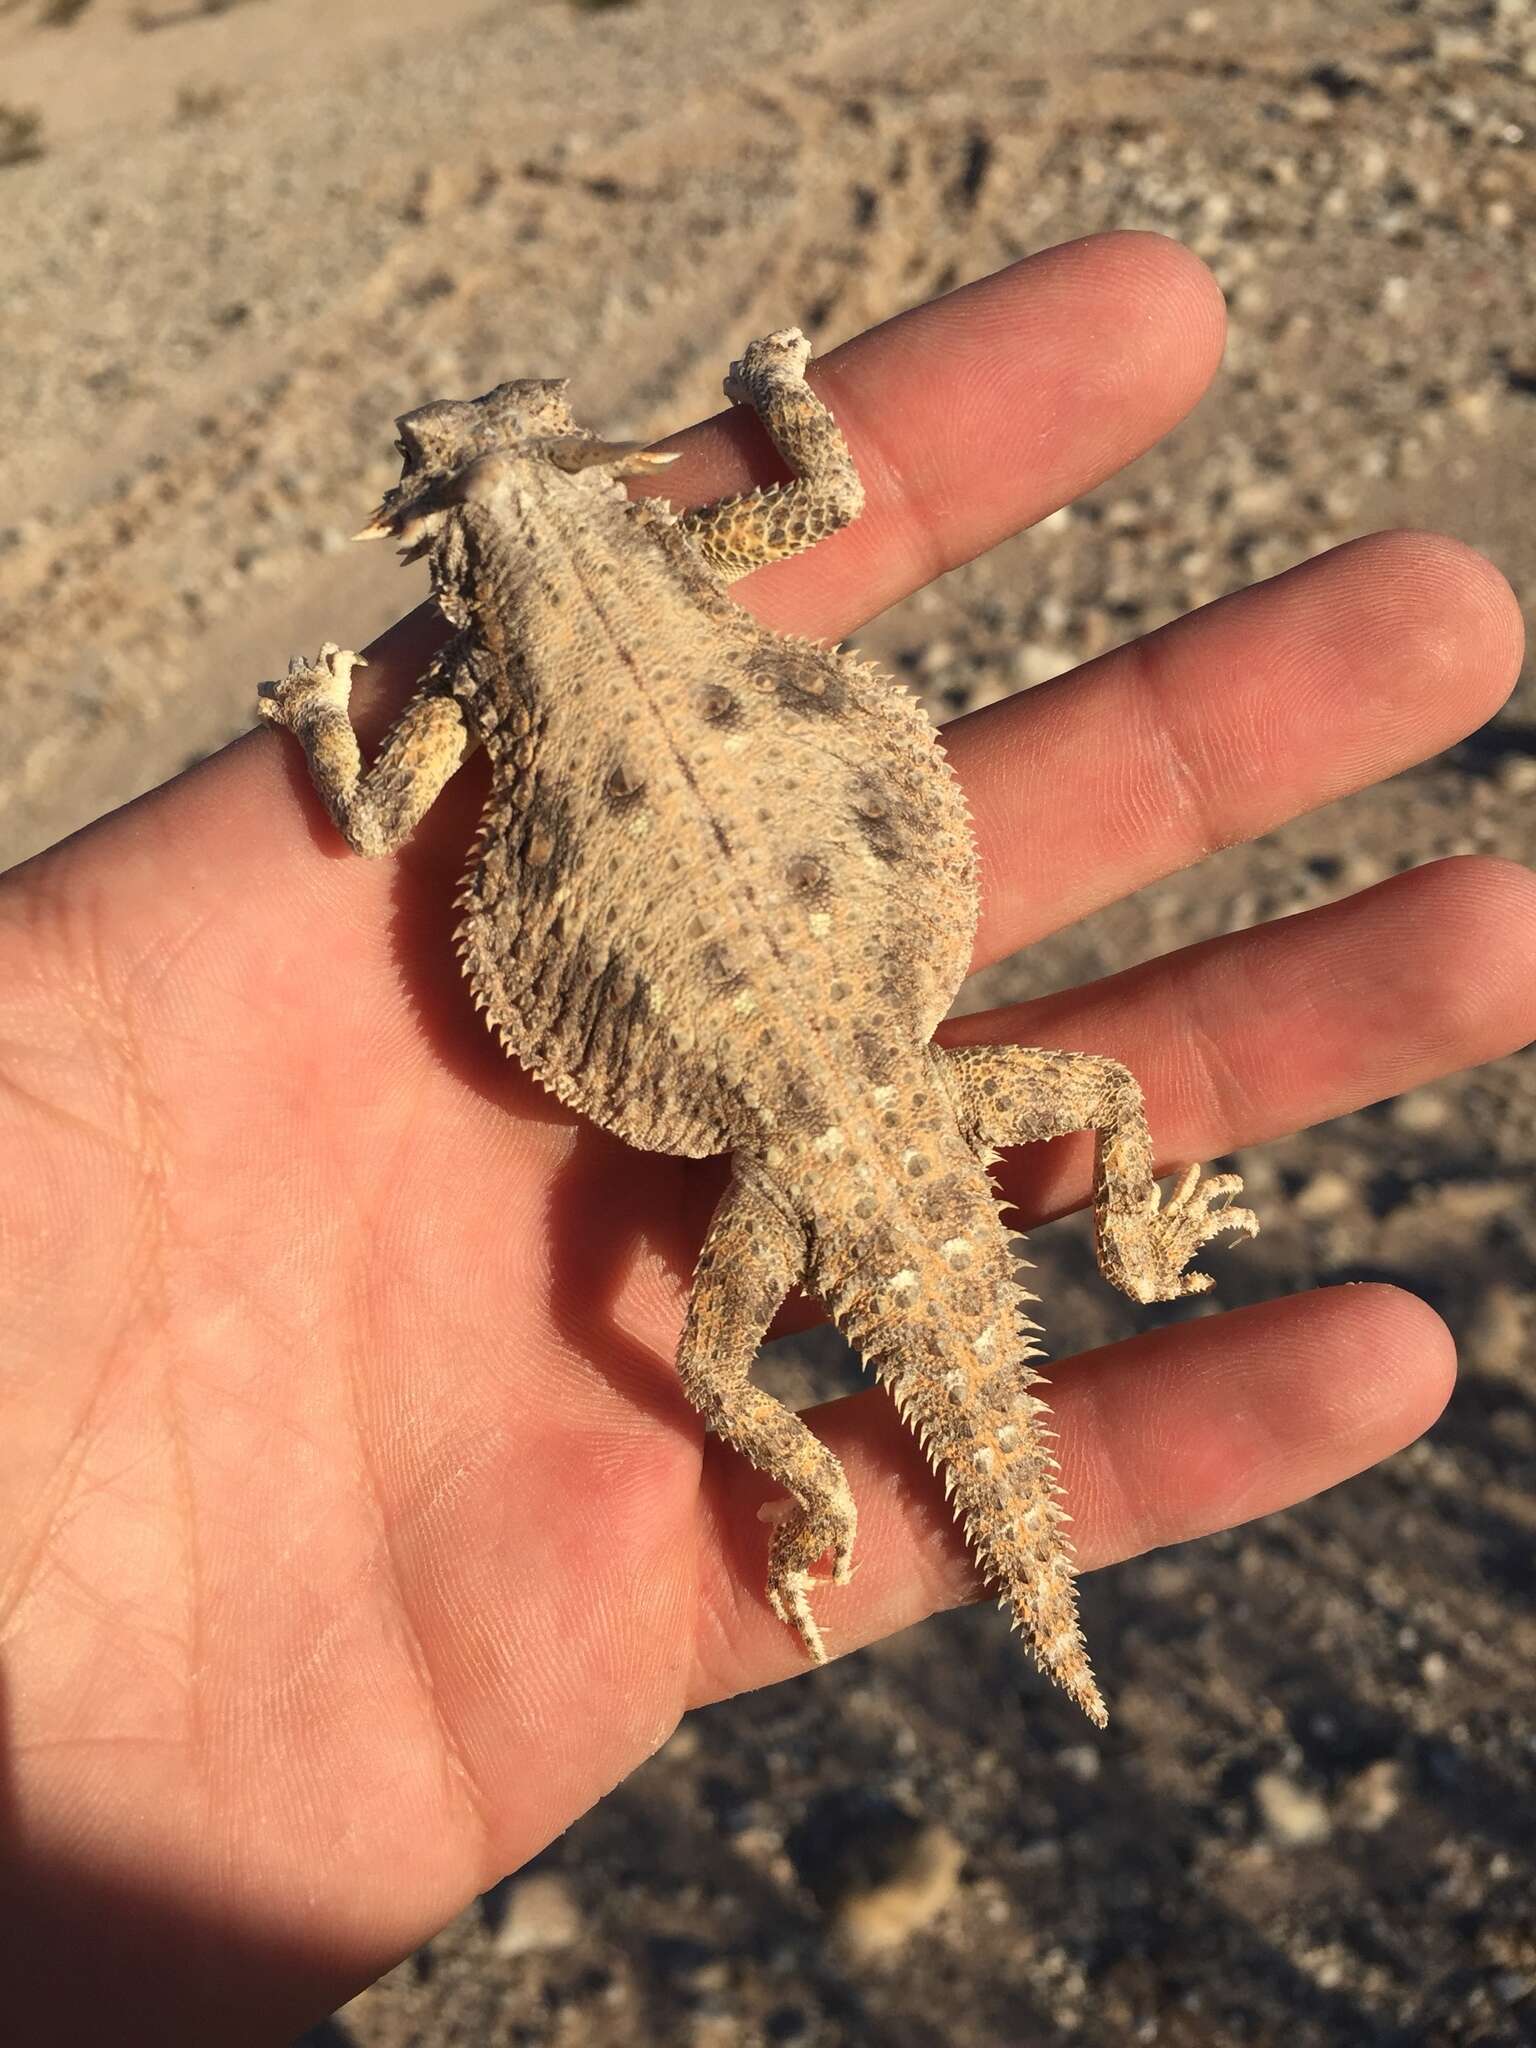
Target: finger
[968,418]
[977,414]
[1219,727]
[1261,1033]
[1162,1438]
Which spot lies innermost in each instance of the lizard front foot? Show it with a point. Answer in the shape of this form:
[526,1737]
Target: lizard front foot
[1153,1243]
[800,1541]
[778,359]
[324,684]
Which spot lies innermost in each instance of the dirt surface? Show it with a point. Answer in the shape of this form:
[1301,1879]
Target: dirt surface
[1312,1820]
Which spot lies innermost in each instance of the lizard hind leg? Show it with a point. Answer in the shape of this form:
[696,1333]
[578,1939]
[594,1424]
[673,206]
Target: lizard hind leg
[753,1254]
[1019,1095]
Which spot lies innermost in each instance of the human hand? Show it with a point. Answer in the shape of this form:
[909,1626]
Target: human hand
[356,1535]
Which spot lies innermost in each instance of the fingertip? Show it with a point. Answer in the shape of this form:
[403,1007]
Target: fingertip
[1451,612]
[1211,1423]
[1168,279]
[1479,1001]
[1146,329]
[1412,1353]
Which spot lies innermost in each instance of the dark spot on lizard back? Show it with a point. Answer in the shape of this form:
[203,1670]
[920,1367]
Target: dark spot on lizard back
[876,1055]
[719,968]
[804,678]
[801,1103]
[543,842]
[874,813]
[806,875]
[622,788]
[718,704]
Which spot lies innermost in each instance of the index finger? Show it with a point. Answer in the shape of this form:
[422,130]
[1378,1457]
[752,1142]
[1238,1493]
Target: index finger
[977,414]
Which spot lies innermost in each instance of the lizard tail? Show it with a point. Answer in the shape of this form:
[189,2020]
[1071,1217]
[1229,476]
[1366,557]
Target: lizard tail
[930,1297]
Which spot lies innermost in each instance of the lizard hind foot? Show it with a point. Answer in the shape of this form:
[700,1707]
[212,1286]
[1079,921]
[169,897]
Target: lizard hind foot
[802,1538]
[1158,1241]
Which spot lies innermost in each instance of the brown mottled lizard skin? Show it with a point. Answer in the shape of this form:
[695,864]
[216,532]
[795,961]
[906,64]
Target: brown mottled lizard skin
[723,890]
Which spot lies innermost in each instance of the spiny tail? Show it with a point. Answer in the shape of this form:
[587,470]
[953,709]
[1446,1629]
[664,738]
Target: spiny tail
[930,1298]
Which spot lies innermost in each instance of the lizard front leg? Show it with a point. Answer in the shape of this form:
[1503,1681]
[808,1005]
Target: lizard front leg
[753,1255]
[738,534]
[1017,1095]
[374,810]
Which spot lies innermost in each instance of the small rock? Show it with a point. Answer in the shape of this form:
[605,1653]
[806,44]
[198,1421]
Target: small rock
[1291,1814]
[1361,870]
[1262,498]
[1036,662]
[1498,1337]
[1460,46]
[1477,1201]
[682,1746]
[1422,1111]
[1082,1761]
[1373,1796]
[921,1877]
[1325,1195]
[541,1913]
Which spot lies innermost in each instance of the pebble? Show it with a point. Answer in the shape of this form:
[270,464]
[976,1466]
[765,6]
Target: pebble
[1372,1797]
[1082,1761]
[1499,1334]
[1422,1111]
[1477,1201]
[541,1913]
[920,1878]
[1325,1195]
[1036,661]
[1291,1814]
[682,1746]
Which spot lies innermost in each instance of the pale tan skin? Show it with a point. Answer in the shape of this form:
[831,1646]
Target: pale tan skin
[723,891]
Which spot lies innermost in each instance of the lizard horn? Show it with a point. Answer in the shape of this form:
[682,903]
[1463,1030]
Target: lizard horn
[574,452]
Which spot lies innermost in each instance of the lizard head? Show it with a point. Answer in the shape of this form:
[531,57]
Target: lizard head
[454,448]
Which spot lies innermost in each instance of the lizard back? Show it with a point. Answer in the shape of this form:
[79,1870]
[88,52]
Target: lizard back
[722,874]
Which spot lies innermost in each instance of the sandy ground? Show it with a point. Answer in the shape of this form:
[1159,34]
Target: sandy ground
[1312,1821]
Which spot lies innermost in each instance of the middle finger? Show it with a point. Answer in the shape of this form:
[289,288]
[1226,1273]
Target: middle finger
[1227,723]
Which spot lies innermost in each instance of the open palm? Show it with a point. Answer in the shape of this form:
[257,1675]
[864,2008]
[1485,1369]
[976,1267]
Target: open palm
[355,1535]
